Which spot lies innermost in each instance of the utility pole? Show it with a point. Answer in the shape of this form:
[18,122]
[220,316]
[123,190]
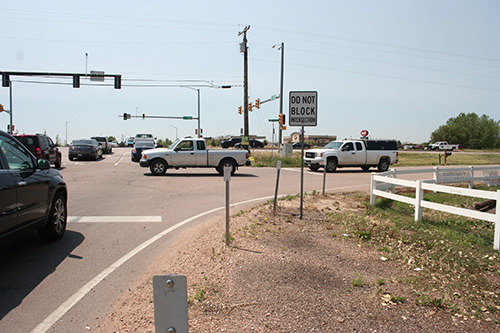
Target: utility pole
[244,48]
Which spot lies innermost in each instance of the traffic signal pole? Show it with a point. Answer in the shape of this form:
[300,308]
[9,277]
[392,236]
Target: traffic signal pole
[246,131]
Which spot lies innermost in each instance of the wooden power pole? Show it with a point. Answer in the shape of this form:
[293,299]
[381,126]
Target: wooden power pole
[244,49]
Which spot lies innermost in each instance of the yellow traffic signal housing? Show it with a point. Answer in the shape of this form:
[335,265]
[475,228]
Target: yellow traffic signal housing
[257,103]
[250,106]
[239,109]
[281,116]
[1,108]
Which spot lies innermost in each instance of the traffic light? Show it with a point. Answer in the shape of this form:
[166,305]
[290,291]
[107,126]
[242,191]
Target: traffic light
[118,82]
[143,116]
[239,109]
[1,108]
[76,81]
[250,106]
[126,116]
[257,103]
[282,118]
[5,80]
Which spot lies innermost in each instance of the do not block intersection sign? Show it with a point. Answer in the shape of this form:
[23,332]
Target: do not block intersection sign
[303,108]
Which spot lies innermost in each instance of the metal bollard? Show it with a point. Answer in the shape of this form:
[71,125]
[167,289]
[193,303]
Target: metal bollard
[170,303]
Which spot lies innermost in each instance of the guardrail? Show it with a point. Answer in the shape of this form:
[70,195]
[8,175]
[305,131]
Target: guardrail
[384,185]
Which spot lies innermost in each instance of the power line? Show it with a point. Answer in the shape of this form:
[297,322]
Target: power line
[384,76]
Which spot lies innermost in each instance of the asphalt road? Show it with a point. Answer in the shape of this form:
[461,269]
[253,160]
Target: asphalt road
[120,219]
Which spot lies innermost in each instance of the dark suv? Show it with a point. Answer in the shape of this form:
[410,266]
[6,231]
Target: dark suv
[32,194]
[42,146]
[230,143]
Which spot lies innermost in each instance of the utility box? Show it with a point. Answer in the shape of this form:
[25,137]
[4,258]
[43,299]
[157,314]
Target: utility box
[286,150]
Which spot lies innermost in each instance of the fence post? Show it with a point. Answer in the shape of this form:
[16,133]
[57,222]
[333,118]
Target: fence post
[471,183]
[496,239]
[419,196]
[372,187]
[436,177]
[170,303]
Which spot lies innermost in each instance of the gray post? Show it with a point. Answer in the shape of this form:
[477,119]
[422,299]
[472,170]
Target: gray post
[170,303]
[324,177]
[302,175]
[227,178]
[278,167]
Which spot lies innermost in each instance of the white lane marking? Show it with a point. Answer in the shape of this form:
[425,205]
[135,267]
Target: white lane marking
[47,323]
[305,171]
[113,219]
[121,158]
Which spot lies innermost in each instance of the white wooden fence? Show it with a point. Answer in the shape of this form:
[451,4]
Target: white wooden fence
[384,185]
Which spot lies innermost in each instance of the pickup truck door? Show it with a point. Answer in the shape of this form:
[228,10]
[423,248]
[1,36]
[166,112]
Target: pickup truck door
[201,153]
[351,154]
[184,154]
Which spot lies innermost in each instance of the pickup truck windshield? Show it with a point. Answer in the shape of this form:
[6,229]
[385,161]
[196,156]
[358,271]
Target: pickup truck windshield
[334,145]
[173,144]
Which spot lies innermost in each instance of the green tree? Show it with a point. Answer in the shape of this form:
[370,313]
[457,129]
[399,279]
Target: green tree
[470,131]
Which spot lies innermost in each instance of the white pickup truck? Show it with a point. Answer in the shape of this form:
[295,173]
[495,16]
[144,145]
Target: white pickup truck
[442,145]
[350,153]
[192,153]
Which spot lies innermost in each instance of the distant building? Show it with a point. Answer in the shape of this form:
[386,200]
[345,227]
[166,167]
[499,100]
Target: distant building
[314,140]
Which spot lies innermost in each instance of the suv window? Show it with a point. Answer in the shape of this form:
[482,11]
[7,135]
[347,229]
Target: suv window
[17,157]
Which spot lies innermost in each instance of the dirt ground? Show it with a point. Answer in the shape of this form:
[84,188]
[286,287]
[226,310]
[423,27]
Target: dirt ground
[286,274]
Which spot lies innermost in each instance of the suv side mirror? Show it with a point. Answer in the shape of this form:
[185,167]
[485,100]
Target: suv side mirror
[43,164]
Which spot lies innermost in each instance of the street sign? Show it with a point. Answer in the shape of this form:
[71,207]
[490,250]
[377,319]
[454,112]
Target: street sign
[187,117]
[97,76]
[303,109]
[273,120]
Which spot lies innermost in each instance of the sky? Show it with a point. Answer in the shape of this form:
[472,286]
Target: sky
[396,68]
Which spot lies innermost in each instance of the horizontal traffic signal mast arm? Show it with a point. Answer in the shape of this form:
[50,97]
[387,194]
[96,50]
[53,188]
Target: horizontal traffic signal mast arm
[76,77]
[158,117]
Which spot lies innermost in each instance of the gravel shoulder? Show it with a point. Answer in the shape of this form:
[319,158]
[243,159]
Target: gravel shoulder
[285,274]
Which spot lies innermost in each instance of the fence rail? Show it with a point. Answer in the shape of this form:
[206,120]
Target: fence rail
[384,185]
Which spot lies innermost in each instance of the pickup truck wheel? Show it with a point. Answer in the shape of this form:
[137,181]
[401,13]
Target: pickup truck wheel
[331,165]
[314,167]
[225,163]
[383,165]
[158,167]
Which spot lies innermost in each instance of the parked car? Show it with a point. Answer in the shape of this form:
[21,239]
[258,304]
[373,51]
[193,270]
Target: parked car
[32,195]
[103,141]
[230,143]
[252,143]
[139,147]
[114,144]
[42,146]
[297,145]
[89,148]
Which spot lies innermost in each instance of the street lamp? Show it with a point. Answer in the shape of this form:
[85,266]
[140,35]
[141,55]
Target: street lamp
[176,135]
[199,103]
[68,121]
